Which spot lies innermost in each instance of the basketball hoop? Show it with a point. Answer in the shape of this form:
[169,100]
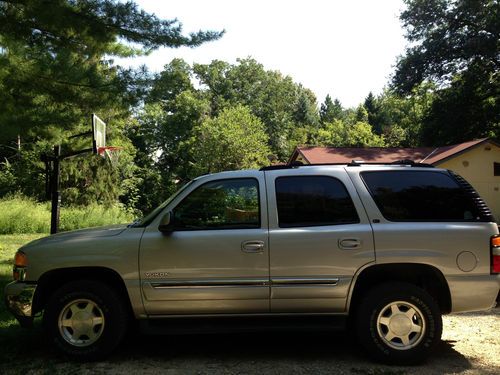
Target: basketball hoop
[112,153]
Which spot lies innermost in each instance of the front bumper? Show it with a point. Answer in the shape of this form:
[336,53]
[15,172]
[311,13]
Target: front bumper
[19,301]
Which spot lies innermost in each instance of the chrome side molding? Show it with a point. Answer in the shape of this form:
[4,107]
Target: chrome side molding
[275,281]
[304,281]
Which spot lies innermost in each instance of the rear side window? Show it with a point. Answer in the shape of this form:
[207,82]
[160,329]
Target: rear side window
[420,196]
[313,201]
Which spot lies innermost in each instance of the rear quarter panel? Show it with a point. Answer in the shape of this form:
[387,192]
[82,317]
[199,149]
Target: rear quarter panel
[460,250]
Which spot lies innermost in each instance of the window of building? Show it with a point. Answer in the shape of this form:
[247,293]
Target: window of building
[221,204]
[420,196]
[496,169]
[313,201]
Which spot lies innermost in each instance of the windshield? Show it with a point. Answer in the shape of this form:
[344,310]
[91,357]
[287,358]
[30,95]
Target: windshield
[150,217]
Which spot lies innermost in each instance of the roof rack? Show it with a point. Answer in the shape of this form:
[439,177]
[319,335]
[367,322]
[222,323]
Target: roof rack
[354,163]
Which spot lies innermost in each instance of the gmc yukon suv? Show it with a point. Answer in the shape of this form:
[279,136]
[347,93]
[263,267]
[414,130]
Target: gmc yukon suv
[388,249]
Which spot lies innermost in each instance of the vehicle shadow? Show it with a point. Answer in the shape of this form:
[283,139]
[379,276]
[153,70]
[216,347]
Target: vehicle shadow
[270,352]
[259,353]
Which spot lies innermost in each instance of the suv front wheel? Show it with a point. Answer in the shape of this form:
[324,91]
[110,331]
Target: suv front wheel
[398,323]
[85,320]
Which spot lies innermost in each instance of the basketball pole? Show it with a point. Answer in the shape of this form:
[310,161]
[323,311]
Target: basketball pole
[55,192]
[54,180]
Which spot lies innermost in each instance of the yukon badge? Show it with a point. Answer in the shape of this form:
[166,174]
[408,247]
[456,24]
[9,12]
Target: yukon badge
[156,274]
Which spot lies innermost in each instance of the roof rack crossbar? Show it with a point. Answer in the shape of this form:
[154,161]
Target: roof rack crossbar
[354,163]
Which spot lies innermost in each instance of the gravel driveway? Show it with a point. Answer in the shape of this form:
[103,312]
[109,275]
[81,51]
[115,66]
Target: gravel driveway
[471,345]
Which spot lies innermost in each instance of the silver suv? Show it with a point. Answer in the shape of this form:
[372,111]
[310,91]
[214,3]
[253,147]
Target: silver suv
[386,249]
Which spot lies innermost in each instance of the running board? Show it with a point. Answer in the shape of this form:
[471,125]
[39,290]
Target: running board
[211,325]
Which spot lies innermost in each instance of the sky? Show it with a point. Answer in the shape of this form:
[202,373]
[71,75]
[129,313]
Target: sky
[343,48]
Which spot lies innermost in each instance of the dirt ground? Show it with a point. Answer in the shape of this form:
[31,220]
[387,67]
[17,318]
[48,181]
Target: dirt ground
[470,345]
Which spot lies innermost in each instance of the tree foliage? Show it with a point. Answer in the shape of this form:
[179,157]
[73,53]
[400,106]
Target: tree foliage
[56,69]
[340,134]
[372,110]
[276,100]
[400,118]
[464,111]
[233,140]
[448,37]
[455,45]
[330,110]
[55,59]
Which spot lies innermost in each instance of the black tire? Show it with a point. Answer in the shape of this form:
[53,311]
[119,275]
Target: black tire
[71,302]
[383,323]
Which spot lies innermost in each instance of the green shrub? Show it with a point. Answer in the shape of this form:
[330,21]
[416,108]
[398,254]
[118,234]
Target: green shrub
[19,214]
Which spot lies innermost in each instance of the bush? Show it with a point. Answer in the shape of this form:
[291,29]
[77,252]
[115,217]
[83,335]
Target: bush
[19,214]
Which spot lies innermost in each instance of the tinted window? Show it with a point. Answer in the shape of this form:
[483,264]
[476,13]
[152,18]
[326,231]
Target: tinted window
[313,200]
[222,204]
[420,196]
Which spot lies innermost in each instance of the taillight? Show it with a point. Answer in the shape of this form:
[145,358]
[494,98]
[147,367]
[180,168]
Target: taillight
[20,263]
[495,254]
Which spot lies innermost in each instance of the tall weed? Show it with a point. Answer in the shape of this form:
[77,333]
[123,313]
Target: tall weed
[19,214]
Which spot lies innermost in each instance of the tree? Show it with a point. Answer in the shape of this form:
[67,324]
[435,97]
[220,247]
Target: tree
[401,118]
[361,114]
[330,110]
[462,112]
[372,109]
[340,134]
[306,112]
[56,68]
[53,76]
[280,103]
[361,135]
[395,136]
[332,134]
[161,137]
[447,37]
[235,139]
[455,45]
[172,81]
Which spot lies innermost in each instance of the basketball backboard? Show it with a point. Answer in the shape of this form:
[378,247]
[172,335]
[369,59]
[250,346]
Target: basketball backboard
[98,133]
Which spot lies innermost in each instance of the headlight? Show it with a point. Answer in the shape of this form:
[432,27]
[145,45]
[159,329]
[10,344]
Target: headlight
[20,265]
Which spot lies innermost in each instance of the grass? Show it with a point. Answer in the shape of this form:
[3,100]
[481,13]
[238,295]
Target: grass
[19,214]
[17,343]
[8,246]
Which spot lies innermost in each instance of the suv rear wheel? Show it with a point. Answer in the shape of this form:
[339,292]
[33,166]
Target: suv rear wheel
[398,323]
[85,320]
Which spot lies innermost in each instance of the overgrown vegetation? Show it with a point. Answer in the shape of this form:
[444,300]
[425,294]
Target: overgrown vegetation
[19,214]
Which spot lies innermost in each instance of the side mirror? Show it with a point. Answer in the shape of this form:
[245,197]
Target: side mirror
[166,223]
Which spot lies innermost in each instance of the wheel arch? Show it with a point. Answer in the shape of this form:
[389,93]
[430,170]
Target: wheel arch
[52,280]
[425,276]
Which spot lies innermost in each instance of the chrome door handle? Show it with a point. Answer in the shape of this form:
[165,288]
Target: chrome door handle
[349,243]
[252,246]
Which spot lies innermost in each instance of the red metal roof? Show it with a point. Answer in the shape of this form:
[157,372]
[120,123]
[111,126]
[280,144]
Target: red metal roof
[430,155]
[445,152]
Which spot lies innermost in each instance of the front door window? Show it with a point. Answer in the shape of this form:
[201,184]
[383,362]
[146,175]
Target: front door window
[221,204]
